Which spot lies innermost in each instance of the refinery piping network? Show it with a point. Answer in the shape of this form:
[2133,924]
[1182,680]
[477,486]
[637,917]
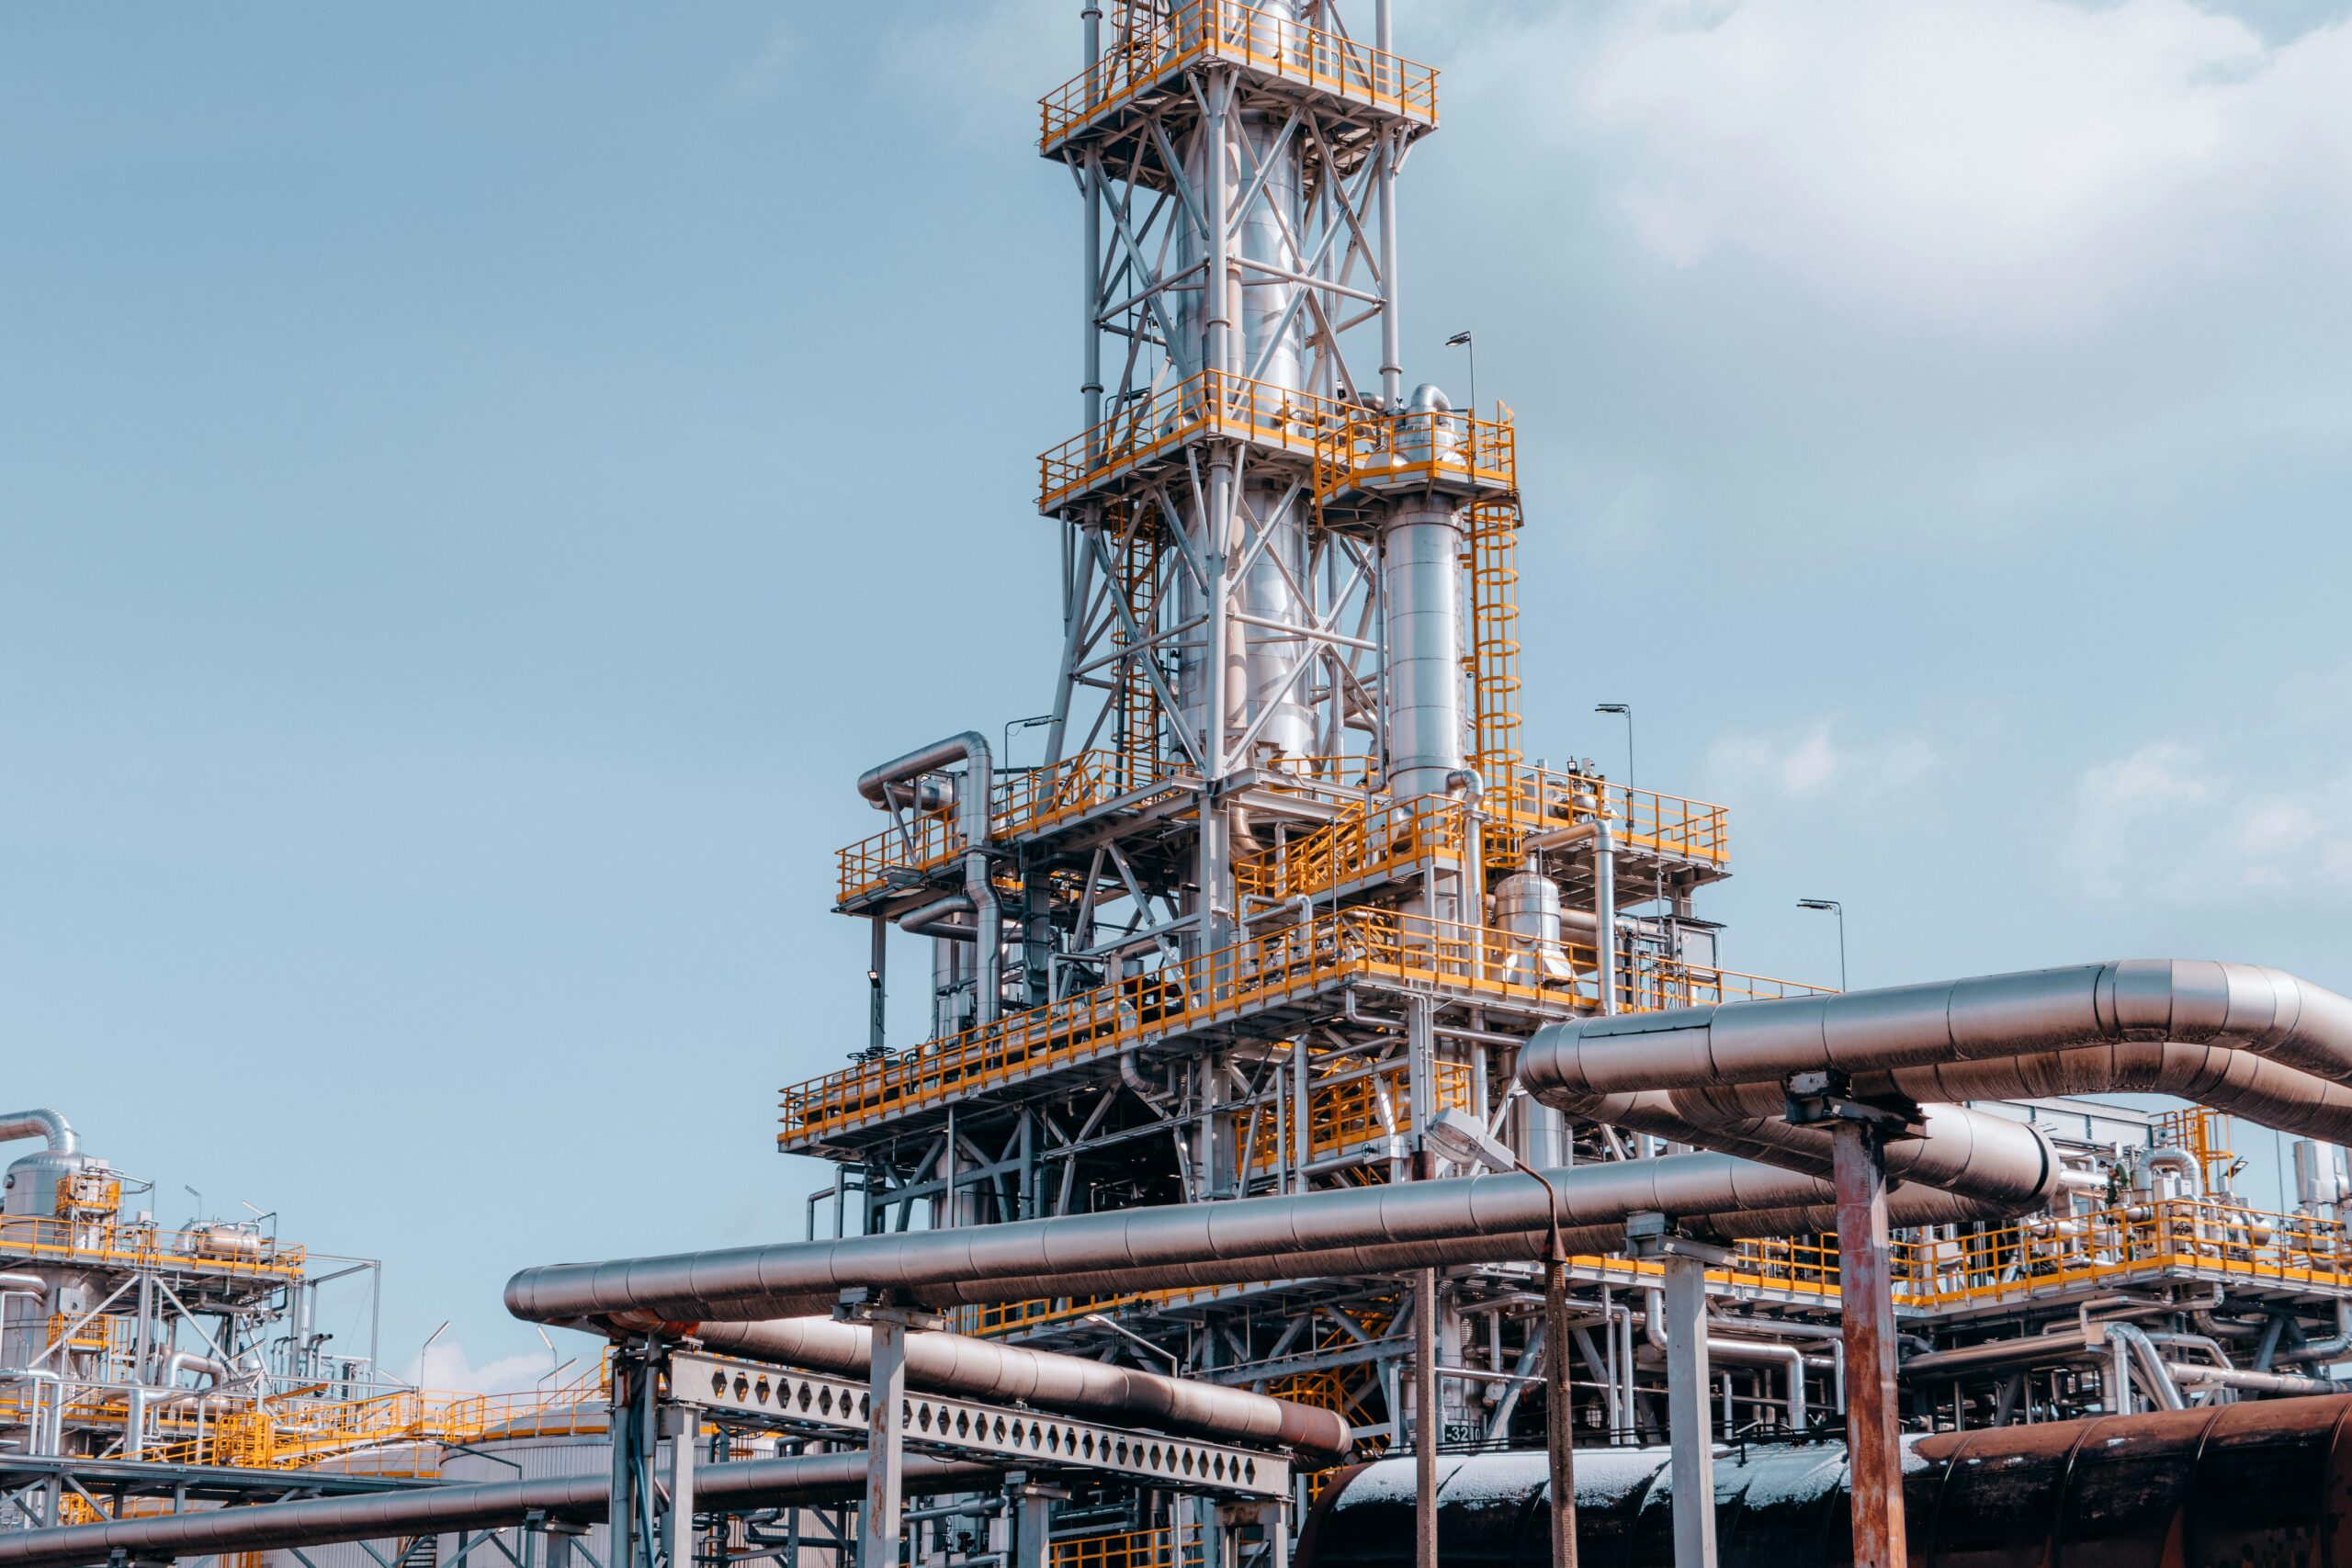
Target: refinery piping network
[1324,1133]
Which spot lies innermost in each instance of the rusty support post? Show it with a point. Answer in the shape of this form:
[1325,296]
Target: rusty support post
[1427,1422]
[1559,1436]
[1867,1310]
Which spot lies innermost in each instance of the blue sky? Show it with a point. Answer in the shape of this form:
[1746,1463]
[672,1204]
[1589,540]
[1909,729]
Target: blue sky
[477,483]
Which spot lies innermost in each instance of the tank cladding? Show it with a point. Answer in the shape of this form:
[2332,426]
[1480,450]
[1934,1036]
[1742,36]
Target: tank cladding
[2254,1483]
[1527,906]
[1421,548]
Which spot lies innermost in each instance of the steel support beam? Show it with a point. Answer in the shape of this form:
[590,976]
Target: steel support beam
[1427,1421]
[1687,1412]
[1559,1433]
[1866,1311]
[885,1444]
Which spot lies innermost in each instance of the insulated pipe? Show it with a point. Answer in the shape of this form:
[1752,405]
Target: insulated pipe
[2235,1081]
[972,801]
[2028,1349]
[1074,1385]
[2197,1374]
[1788,1358]
[2232,1007]
[40,1123]
[2182,1161]
[1463,1218]
[189,1361]
[2134,1346]
[744,1484]
[937,917]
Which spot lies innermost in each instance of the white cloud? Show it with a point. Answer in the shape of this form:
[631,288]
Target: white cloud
[2033,161]
[2169,824]
[764,73]
[447,1366]
[1810,761]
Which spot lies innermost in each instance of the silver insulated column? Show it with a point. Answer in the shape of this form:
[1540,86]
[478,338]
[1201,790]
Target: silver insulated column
[1422,553]
[1261,158]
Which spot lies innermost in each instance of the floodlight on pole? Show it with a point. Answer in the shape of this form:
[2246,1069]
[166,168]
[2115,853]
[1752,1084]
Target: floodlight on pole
[1625,711]
[1464,340]
[1460,1137]
[1833,907]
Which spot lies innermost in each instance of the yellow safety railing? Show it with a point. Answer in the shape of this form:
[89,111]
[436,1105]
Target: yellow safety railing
[2033,1256]
[1369,447]
[1473,962]
[1534,799]
[1146,43]
[1376,1104]
[1366,843]
[1212,403]
[1026,802]
[211,1250]
[283,1433]
[1163,1547]
[2197,1131]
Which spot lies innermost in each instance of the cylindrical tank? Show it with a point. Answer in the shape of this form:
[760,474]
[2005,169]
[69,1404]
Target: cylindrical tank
[1421,561]
[2258,1482]
[30,1186]
[1527,907]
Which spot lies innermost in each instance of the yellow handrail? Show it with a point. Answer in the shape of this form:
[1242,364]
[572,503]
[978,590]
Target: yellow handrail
[1471,961]
[1212,403]
[1146,43]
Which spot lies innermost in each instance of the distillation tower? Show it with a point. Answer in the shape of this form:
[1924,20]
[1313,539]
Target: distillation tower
[1285,888]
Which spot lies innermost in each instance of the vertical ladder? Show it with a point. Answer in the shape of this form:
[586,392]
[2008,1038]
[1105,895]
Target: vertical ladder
[1494,673]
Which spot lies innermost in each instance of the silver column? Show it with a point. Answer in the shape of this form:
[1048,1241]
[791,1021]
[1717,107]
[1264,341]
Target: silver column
[1422,547]
[1686,1411]
[885,1444]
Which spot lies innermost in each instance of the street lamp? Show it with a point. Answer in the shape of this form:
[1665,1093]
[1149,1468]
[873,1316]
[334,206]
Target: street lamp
[1459,1137]
[1835,907]
[1464,340]
[427,1349]
[1175,1367]
[1004,758]
[1627,710]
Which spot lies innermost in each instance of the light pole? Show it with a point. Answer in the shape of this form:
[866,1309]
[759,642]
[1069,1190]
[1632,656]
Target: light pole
[427,1350]
[1835,907]
[1464,340]
[1175,1367]
[1004,758]
[1461,1139]
[1626,710]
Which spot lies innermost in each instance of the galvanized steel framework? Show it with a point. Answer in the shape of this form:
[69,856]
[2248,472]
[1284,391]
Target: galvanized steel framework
[1283,886]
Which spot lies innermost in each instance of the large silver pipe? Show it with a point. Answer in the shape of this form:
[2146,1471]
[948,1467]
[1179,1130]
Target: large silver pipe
[2198,1374]
[2260,1090]
[2238,1007]
[40,1123]
[972,800]
[938,919]
[1074,1385]
[1422,608]
[429,1510]
[1464,1219]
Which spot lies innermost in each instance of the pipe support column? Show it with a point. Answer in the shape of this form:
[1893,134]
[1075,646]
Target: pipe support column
[1867,1312]
[1559,1431]
[1427,1421]
[682,1423]
[885,1443]
[1688,1416]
